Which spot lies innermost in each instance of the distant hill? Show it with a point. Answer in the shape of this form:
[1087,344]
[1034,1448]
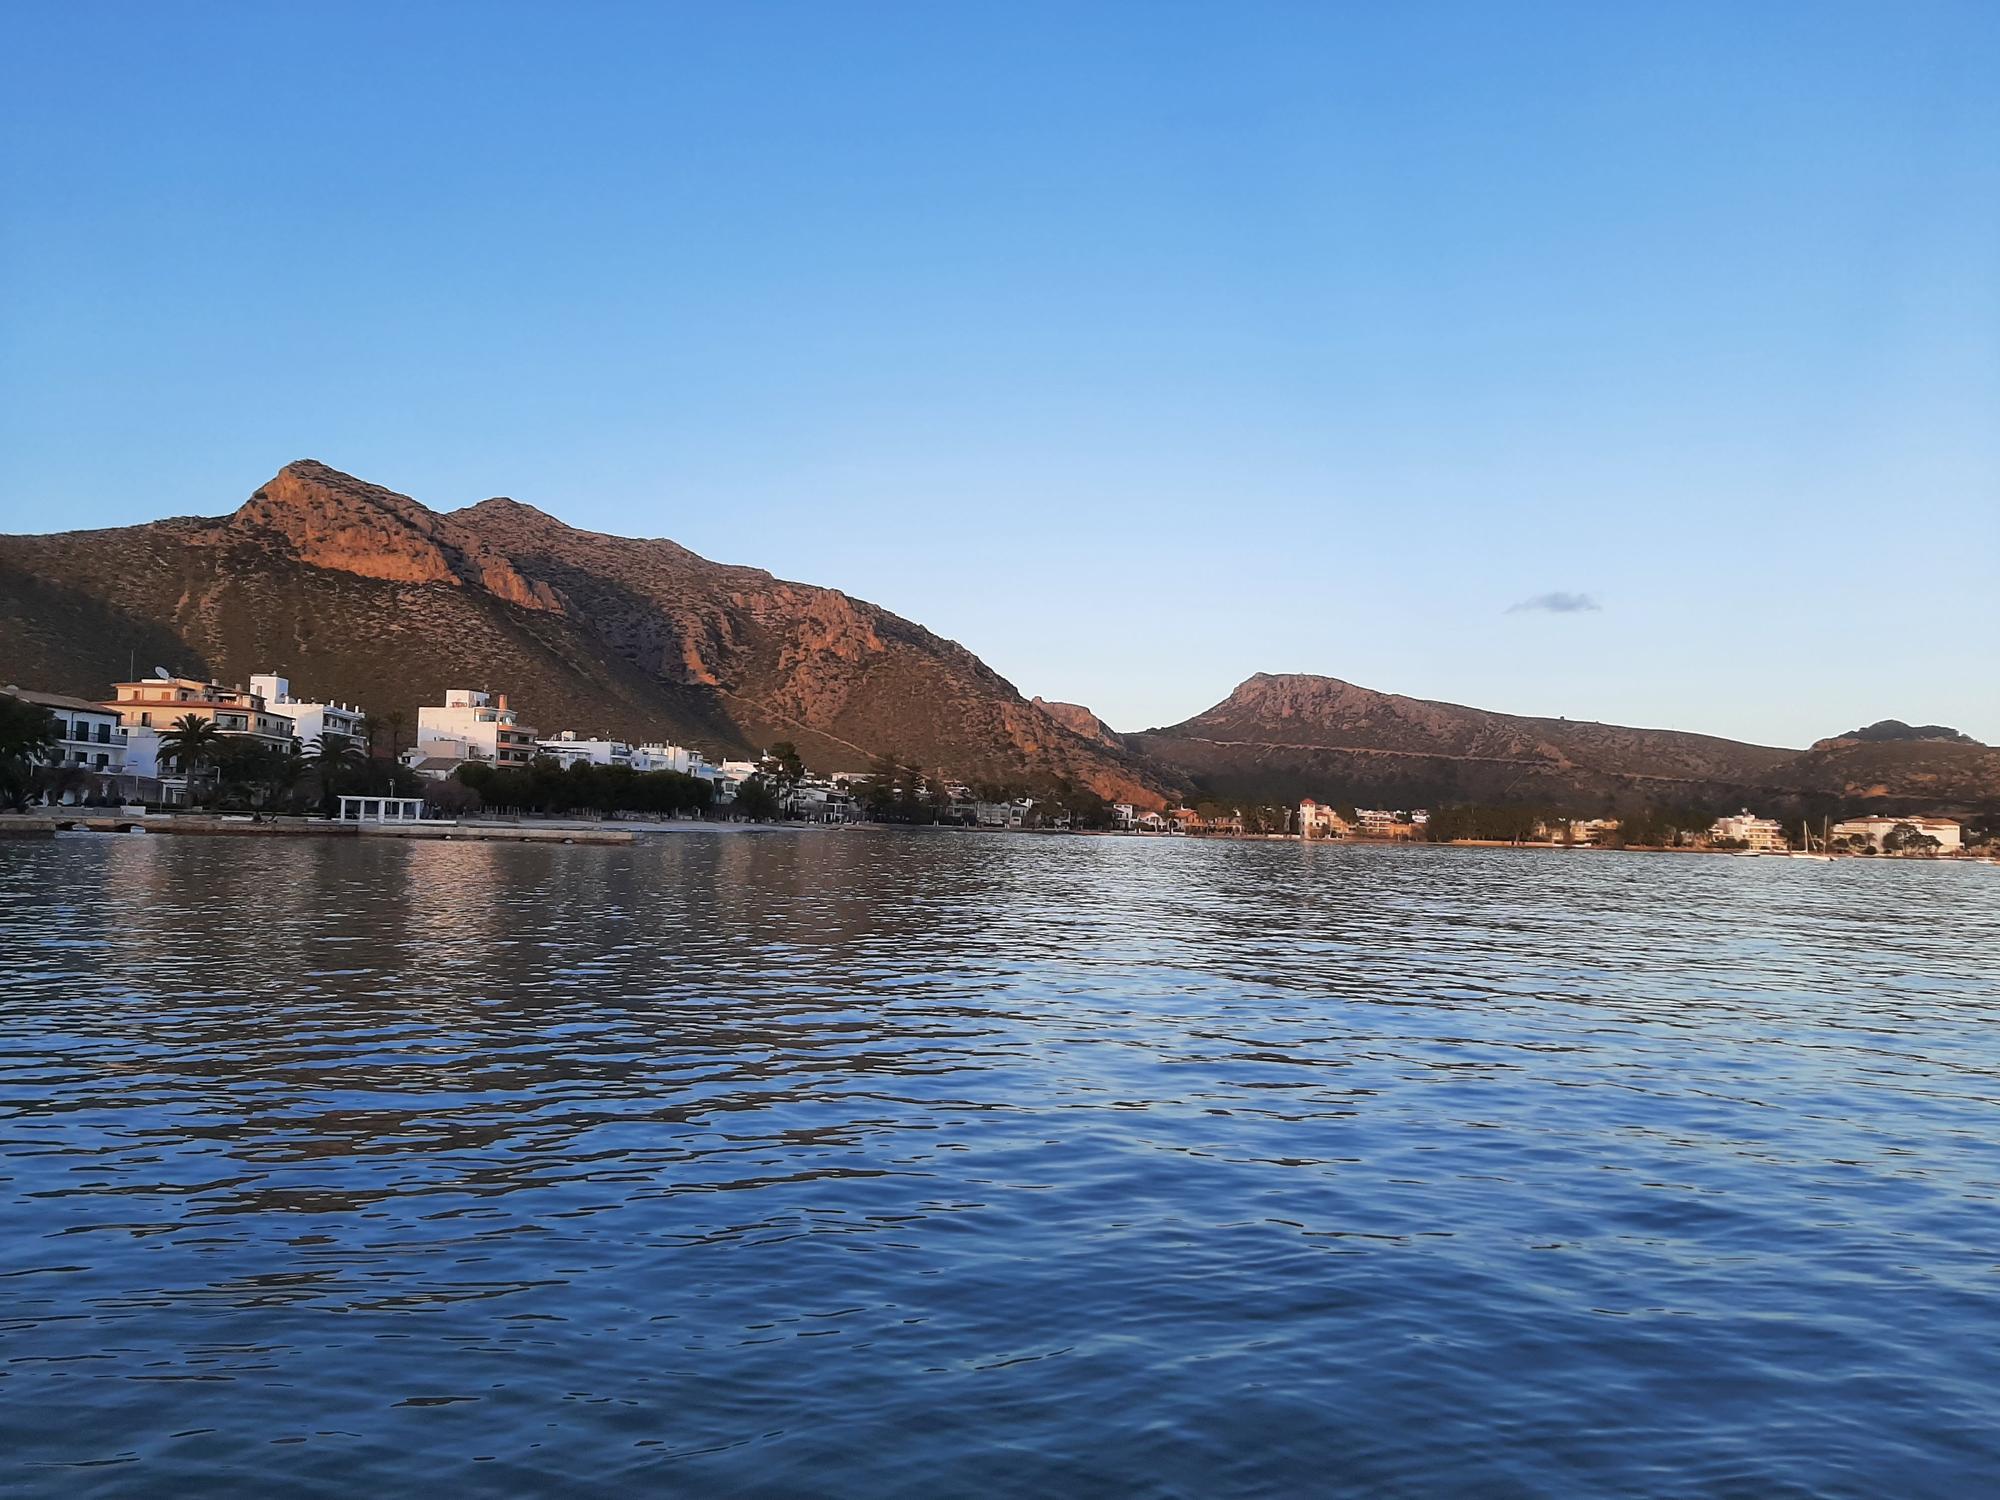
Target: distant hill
[1276,738]
[1888,730]
[362,594]
[1902,775]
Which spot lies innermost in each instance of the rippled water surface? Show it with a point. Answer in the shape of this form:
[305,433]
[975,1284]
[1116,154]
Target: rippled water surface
[918,1164]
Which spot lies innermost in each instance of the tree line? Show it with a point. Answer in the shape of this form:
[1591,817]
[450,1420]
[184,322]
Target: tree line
[545,785]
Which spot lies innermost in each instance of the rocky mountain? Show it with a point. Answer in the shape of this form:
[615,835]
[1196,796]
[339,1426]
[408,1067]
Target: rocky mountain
[364,595]
[1277,738]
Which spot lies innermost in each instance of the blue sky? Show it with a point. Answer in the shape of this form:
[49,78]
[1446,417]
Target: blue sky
[1138,347]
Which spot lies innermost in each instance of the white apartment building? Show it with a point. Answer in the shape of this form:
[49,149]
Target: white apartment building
[1872,831]
[658,757]
[571,749]
[1756,833]
[474,725]
[310,720]
[92,738]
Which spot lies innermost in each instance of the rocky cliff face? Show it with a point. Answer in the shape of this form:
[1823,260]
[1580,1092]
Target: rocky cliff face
[1081,721]
[364,594]
[332,520]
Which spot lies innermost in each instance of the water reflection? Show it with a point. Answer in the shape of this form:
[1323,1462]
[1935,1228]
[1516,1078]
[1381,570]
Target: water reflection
[883,1162]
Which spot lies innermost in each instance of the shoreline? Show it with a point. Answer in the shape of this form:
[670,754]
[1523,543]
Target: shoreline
[50,823]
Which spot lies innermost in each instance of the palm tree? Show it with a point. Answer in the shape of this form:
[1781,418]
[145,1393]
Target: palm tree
[397,721]
[331,757]
[191,744]
[28,736]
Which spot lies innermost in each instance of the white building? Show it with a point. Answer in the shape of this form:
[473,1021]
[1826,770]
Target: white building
[658,757]
[570,750]
[310,720]
[474,725]
[733,773]
[91,736]
[820,802]
[142,753]
[1872,831]
[1753,832]
[1012,814]
[91,740]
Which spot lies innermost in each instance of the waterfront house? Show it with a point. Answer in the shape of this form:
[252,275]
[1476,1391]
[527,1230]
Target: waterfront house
[817,801]
[1002,814]
[1319,821]
[1873,833]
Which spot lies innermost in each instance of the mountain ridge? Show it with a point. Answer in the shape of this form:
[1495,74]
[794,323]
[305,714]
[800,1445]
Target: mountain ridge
[1281,735]
[363,593]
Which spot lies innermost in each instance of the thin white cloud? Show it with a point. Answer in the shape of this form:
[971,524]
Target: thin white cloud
[1556,602]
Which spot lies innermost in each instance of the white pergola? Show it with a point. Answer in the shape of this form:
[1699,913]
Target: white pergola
[381,809]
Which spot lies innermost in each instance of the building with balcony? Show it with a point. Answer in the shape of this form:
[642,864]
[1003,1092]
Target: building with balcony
[90,741]
[570,750]
[310,720]
[159,703]
[474,725]
[91,736]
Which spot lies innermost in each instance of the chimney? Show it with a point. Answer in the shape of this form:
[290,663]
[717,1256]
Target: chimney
[500,702]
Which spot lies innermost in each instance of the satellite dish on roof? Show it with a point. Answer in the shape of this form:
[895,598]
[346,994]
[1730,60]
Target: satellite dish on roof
[163,674]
